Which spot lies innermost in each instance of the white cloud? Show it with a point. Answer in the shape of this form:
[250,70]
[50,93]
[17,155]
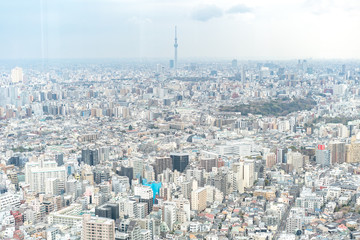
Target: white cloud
[206,12]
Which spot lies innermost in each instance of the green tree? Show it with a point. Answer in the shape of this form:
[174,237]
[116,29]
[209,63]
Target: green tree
[267,182]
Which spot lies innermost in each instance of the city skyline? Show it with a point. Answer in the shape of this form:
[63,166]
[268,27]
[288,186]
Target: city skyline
[179,119]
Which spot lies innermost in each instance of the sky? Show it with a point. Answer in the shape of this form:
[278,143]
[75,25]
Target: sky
[144,29]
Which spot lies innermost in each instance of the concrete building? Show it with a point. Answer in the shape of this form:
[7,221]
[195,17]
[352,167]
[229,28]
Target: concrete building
[9,201]
[338,152]
[323,156]
[270,160]
[295,159]
[36,174]
[179,161]
[353,152]
[244,174]
[169,216]
[17,75]
[198,199]
[97,228]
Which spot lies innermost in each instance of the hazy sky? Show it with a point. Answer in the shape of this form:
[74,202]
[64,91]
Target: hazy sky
[251,29]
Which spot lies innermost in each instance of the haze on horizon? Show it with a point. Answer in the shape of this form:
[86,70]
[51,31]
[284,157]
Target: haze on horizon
[256,29]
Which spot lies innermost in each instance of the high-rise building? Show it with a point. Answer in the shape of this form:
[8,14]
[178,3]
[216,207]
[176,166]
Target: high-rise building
[234,63]
[104,154]
[295,160]
[280,156]
[148,224]
[208,163]
[120,183]
[183,210]
[101,174]
[244,174]
[220,182]
[323,156]
[108,210]
[338,152]
[171,63]
[97,228]
[143,191]
[198,199]
[138,167]
[353,152]
[170,214]
[90,157]
[37,173]
[179,161]
[270,160]
[17,75]
[128,172]
[162,163]
[293,224]
[59,158]
[52,186]
[146,195]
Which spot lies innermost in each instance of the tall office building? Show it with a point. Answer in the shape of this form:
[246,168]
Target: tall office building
[128,172]
[97,228]
[17,75]
[171,63]
[243,74]
[234,63]
[90,157]
[108,210]
[338,152]
[280,156]
[59,158]
[323,156]
[179,161]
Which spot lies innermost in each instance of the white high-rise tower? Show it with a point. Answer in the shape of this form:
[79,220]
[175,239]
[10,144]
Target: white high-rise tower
[17,75]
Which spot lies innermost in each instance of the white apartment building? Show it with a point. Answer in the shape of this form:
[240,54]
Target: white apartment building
[9,201]
[38,173]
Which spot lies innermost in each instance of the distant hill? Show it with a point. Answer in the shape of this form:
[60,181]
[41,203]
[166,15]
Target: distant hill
[279,107]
